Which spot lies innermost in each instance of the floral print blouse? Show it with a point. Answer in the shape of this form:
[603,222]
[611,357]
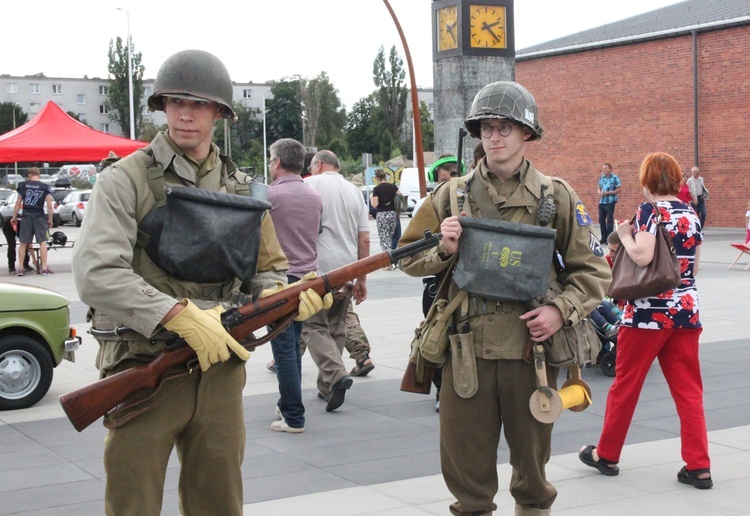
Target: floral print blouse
[677,308]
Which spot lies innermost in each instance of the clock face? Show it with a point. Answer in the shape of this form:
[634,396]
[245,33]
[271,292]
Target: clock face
[447,28]
[487,26]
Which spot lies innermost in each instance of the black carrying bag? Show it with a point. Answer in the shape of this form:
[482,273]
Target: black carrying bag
[505,261]
[205,236]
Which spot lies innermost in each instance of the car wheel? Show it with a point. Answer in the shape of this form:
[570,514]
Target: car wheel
[76,222]
[56,220]
[25,372]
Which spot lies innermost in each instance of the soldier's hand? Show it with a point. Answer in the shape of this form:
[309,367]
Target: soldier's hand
[310,303]
[543,322]
[451,231]
[203,331]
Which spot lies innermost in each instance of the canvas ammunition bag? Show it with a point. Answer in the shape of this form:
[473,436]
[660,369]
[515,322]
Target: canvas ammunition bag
[505,261]
[204,236]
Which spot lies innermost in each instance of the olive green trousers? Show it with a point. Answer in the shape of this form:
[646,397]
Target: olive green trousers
[199,414]
[470,434]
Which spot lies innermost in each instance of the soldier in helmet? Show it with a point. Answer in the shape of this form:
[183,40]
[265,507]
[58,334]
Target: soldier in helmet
[505,186]
[139,302]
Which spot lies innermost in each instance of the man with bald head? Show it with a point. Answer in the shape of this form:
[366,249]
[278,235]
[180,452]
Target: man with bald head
[344,238]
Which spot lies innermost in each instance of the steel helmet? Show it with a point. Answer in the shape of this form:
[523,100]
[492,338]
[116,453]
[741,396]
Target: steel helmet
[193,75]
[507,100]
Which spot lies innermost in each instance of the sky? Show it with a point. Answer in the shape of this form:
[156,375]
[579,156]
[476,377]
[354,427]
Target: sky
[261,40]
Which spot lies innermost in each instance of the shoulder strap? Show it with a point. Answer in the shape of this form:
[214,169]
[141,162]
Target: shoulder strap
[156,181]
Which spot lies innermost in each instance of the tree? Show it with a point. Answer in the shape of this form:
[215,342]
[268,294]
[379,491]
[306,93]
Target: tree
[325,117]
[427,125]
[118,100]
[11,116]
[284,111]
[428,132]
[361,130]
[246,136]
[391,93]
[75,116]
[148,129]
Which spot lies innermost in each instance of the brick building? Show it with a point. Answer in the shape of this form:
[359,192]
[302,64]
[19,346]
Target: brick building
[675,80]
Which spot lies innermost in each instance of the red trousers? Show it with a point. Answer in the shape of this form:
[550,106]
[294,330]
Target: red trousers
[677,351]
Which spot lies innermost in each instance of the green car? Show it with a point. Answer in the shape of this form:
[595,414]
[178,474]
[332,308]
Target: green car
[35,336]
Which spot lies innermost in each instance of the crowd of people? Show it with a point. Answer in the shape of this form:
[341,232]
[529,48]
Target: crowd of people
[315,221]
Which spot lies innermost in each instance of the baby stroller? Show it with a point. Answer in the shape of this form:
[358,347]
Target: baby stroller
[607,355]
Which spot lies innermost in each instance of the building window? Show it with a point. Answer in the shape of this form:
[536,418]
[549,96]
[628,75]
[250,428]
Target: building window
[147,91]
[34,108]
[104,128]
[103,109]
[81,100]
[82,117]
[57,89]
[248,94]
[103,90]
[34,88]
[11,87]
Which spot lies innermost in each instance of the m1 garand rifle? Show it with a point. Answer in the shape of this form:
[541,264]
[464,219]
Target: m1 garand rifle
[87,404]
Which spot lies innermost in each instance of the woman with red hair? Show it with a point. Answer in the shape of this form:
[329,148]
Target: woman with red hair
[665,326]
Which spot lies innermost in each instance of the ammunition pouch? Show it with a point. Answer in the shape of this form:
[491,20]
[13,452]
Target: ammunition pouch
[204,236]
[504,261]
[576,344]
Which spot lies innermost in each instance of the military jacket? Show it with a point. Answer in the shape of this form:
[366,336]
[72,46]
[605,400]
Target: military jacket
[115,276]
[498,331]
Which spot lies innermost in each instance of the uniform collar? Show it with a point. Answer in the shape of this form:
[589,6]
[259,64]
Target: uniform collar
[527,194]
[170,156]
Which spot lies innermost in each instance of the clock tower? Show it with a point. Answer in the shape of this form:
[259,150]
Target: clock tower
[473,45]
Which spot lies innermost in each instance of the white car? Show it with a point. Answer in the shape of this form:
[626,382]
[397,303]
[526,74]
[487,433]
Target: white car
[7,205]
[73,207]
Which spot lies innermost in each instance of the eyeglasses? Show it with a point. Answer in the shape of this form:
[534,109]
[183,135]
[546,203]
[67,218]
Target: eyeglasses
[312,165]
[503,129]
[271,160]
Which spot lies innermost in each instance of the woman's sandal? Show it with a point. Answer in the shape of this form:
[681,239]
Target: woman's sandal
[690,477]
[603,465]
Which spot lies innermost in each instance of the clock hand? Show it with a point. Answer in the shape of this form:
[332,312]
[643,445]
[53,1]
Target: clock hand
[488,28]
[492,24]
[451,27]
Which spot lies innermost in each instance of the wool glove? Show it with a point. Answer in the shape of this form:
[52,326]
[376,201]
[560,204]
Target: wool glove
[203,331]
[310,302]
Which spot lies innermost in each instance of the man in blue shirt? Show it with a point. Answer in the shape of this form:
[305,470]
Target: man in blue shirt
[609,187]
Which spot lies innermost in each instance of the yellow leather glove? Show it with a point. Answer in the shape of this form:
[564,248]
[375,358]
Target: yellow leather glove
[310,302]
[203,331]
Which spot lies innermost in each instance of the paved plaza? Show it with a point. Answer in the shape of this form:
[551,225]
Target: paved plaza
[378,454]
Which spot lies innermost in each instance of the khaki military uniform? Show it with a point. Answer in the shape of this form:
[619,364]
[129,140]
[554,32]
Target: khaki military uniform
[470,428]
[200,413]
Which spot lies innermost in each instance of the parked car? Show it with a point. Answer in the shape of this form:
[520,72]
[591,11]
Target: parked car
[6,209]
[46,179]
[5,193]
[58,194]
[13,179]
[35,337]
[73,207]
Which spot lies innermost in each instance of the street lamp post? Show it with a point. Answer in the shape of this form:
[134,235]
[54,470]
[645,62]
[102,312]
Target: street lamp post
[130,76]
[265,156]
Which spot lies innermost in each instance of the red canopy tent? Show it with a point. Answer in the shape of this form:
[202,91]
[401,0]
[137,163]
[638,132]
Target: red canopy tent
[52,135]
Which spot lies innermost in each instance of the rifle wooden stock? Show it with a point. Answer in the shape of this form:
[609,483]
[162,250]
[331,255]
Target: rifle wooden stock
[85,405]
